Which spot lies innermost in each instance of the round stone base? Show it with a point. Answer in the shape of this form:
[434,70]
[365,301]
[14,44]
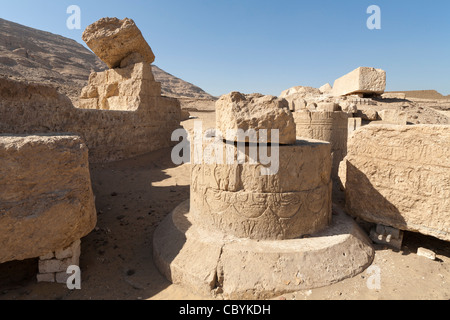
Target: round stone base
[210,262]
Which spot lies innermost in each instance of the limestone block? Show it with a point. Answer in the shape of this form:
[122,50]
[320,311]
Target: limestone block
[387,236]
[55,265]
[326,89]
[393,116]
[328,107]
[362,80]
[132,59]
[398,176]
[46,277]
[296,102]
[368,114]
[61,277]
[427,253]
[113,40]
[72,251]
[46,198]
[240,199]
[238,111]
[89,92]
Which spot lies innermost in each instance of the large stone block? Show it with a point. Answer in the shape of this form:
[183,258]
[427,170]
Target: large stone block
[393,116]
[363,80]
[326,126]
[113,40]
[239,111]
[399,176]
[46,199]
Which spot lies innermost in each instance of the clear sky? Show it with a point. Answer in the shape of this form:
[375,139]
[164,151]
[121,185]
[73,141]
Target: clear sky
[269,46]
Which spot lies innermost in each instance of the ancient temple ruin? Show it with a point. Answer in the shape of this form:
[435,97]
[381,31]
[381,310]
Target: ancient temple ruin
[244,234]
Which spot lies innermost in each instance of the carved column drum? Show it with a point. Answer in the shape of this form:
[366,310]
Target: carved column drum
[246,201]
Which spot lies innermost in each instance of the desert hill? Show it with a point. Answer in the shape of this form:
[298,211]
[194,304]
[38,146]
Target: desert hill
[423,94]
[40,56]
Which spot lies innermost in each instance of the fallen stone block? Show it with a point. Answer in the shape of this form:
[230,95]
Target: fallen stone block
[429,254]
[46,198]
[392,116]
[398,176]
[361,81]
[113,40]
[236,111]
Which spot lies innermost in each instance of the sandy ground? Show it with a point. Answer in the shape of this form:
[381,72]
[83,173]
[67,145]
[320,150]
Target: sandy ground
[134,196]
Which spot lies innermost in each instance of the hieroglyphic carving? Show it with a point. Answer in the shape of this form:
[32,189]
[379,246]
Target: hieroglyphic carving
[400,176]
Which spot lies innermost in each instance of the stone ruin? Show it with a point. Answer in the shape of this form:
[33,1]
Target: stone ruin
[130,82]
[244,234]
[116,101]
[399,176]
[247,235]
[46,199]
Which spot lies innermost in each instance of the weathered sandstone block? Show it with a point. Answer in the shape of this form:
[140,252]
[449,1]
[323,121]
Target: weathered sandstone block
[238,111]
[113,40]
[361,81]
[120,89]
[392,116]
[399,176]
[46,199]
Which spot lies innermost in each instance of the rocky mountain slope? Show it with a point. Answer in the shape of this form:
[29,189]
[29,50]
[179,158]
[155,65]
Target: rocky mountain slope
[39,56]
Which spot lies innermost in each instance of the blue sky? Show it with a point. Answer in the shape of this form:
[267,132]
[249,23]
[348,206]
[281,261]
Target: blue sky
[269,46]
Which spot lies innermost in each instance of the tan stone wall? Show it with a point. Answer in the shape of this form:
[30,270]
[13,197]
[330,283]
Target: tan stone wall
[122,89]
[109,135]
[399,176]
[46,198]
